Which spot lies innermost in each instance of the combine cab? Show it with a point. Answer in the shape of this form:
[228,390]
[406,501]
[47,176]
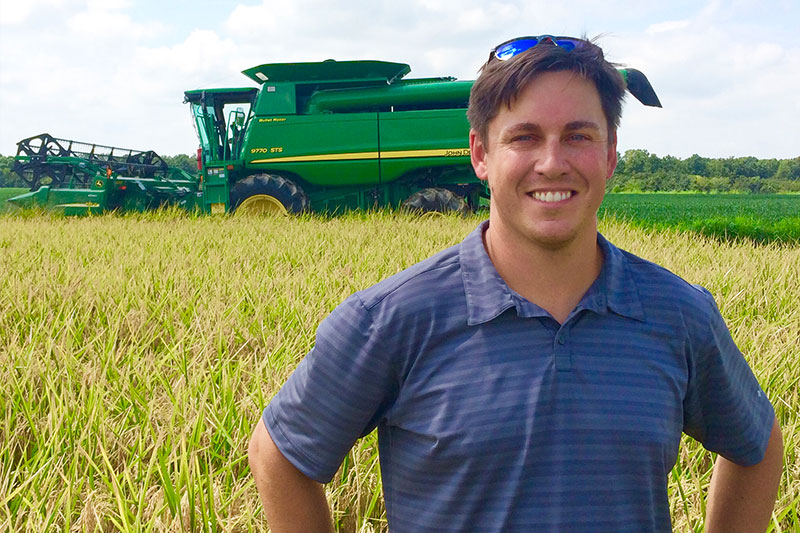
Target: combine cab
[82,178]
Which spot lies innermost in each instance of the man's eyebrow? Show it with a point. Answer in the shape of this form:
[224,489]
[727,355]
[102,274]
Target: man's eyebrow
[523,126]
[582,125]
[571,126]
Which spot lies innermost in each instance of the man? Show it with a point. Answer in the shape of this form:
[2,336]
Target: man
[533,377]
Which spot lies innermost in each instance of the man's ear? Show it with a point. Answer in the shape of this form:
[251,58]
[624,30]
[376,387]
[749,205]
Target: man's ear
[477,154]
[611,156]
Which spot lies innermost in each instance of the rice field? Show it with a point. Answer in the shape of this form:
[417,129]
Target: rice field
[137,351]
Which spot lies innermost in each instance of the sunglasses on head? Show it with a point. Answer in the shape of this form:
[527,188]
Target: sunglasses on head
[635,82]
[512,47]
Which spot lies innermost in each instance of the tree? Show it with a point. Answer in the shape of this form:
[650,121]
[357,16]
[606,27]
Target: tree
[7,177]
[187,163]
[788,169]
[717,168]
[697,165]
[636,161]
[672,164]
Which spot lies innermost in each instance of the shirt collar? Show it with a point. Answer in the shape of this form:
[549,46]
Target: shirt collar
[614,289]
[488,295]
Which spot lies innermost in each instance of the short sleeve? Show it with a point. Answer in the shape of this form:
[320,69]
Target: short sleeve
[336,395]
[725,408]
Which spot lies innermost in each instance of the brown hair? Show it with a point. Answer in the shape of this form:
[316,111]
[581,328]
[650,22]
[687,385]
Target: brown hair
[500,82]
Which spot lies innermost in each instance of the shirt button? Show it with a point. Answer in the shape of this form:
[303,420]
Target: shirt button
[561,339]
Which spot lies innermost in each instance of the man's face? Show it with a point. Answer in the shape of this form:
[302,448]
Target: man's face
[547,160]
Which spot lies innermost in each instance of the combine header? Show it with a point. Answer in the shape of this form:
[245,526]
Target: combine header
[83,178]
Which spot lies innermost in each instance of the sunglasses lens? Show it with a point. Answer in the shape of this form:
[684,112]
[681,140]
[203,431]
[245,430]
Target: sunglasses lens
[517,46]
[509,50]
[566,44]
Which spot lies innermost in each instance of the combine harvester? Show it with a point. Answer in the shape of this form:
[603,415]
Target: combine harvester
[325,137]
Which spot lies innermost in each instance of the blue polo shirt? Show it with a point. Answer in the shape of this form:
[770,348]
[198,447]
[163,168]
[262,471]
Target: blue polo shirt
[492,416]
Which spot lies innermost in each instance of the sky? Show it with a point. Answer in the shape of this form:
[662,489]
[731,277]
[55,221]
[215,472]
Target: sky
[113,72]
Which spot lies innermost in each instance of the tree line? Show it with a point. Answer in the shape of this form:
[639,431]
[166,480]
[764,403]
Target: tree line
[641,171]
[637,171]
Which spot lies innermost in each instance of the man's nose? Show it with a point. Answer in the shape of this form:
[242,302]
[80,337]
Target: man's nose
[552,159]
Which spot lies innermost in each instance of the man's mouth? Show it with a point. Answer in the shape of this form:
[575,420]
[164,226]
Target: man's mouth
[551,196]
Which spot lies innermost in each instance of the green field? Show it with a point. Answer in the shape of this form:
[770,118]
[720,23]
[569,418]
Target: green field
[137,351]
[5,194]
[759,218]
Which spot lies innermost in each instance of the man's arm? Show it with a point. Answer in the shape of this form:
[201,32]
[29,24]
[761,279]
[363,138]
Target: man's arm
[292,501]
[741,498]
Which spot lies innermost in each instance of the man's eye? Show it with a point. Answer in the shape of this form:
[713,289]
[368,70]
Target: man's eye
[577,137]
[522,138]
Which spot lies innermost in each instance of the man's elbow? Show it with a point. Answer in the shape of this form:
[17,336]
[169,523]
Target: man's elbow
[267,463]
[292,501]
[261,450]
[255,446]
[774,451]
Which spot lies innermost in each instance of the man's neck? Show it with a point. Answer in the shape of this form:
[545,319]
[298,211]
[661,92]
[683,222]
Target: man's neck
[556,278]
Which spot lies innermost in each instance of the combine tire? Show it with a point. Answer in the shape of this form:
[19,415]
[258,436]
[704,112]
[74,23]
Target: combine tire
[435,200]
[268,194]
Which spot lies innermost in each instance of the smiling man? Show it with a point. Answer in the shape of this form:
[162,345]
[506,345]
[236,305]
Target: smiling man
[547,159]
[533,377]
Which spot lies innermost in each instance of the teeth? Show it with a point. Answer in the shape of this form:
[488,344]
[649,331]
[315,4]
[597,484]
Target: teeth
[551,196]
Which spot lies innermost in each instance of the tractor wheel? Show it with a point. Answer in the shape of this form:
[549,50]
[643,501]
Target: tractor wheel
[268,194]
[436,200]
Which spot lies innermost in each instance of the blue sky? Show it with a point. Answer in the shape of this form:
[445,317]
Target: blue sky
[114,71]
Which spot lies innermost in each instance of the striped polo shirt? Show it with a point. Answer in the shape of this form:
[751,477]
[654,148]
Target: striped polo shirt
[492,416]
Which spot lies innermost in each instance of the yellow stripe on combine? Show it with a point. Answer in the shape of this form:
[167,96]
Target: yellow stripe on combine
[396,154]
[447,152]
[319,157]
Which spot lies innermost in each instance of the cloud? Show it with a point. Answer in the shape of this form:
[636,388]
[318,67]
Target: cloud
[668,26]
[203,52]
[101,22]
[721,93]
[114,71]
[261,21]
[16,12]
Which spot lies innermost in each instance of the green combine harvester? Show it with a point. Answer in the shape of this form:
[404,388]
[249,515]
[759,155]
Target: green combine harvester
[328,136]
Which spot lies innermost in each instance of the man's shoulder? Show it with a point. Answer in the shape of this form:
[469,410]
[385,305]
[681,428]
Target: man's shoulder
[427,280]
[658,285]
